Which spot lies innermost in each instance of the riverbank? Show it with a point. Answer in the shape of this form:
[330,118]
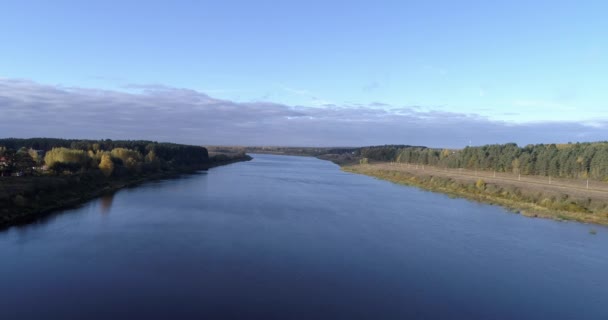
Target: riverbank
[529,199]
[26,199]
[338,155]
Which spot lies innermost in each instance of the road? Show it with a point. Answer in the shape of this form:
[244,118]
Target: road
[577,188]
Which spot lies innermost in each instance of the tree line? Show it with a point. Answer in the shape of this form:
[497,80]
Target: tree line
[571,160]
[110,157]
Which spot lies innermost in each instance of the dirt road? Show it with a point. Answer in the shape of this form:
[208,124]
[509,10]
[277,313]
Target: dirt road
[575,188]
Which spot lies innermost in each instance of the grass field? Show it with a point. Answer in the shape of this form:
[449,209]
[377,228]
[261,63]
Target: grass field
[535,196]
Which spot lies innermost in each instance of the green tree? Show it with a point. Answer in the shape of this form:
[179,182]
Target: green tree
[24,163]
[35,156]
[152,161]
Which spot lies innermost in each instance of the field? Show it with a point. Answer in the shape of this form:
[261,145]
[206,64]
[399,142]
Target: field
[537,196]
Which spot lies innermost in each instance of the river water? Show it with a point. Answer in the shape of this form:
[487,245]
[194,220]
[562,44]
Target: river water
[285,237]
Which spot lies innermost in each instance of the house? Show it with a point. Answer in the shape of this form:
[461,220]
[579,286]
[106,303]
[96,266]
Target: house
[4,167]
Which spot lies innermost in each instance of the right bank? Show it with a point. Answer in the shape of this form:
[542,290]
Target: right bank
[529,201]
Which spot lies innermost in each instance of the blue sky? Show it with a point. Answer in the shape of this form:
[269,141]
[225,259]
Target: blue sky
[509,63]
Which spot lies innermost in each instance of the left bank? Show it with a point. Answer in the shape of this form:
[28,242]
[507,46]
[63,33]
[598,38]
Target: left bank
[27,199]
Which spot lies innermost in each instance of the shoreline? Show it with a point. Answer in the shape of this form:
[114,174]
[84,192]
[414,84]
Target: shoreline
[527,202]
[67,200]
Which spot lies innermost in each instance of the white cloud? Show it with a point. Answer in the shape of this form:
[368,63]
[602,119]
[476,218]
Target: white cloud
[159,112]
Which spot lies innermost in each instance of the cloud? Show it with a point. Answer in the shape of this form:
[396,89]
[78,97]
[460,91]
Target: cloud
[157,112]
[378,104]
[311,97]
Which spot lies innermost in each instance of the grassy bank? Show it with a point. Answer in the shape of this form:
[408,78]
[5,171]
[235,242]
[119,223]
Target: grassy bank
[26,199]
[529,202]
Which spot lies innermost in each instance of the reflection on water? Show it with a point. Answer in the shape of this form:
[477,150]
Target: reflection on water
[105,203]
[296,238]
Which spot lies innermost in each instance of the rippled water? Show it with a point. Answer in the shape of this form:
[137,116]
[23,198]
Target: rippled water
[295,238]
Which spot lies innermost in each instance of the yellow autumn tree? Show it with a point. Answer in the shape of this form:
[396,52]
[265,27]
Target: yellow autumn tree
[131,159]
[152,160]
[106,165]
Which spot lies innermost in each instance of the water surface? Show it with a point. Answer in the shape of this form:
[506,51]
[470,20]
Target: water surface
[295,238]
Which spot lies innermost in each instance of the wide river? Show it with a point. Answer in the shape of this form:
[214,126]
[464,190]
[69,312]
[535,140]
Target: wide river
[285,237]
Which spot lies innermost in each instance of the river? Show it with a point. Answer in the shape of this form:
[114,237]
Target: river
[284,237]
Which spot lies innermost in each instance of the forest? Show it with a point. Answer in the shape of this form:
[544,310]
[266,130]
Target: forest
[571,160]
[112,158]
[40,175]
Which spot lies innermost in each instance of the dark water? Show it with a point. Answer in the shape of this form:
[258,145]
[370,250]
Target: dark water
[296,238]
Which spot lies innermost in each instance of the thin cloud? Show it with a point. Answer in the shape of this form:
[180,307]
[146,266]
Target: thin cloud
[164,113]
